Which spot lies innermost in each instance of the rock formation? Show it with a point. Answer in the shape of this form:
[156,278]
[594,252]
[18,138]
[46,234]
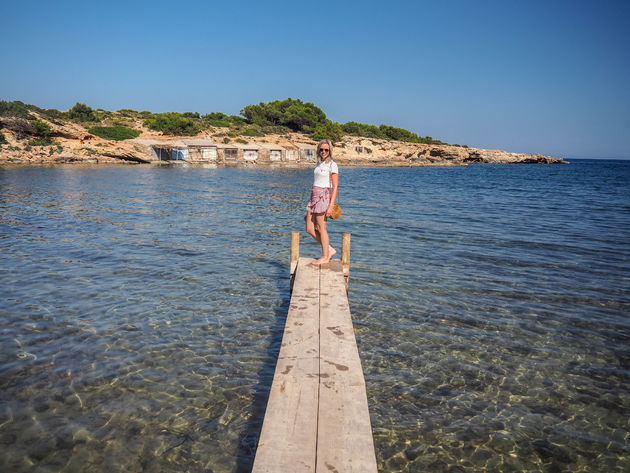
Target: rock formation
[73,144]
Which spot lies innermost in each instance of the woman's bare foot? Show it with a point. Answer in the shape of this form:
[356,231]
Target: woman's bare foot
[320,261]
[331,251]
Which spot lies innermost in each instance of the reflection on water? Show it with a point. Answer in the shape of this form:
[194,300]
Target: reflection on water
[142,310]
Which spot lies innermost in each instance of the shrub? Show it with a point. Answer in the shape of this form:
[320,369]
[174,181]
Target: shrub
[128,112]
[190,115]
[42,132]
[82,113]
[55,149]
[218,123]
[241,140]
[43,141]
[215,116]
[226,140]
[41,128]
[117,133]
[3,140]
[53,114]
[400,134]
[361,129]
[173,123]
[236,120]
[219,119]
[14,109]
[329,130]
[252,132]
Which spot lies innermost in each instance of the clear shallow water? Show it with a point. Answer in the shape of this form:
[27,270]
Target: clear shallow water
[142,309]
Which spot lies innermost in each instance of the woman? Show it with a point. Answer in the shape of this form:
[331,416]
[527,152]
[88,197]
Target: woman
[320,205]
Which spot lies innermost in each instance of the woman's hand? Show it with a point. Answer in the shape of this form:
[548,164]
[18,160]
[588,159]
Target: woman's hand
[329,211]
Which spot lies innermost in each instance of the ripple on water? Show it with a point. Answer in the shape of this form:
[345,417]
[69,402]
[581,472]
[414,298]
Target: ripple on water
[143,308]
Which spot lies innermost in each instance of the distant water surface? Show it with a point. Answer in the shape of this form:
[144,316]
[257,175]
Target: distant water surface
[142,309]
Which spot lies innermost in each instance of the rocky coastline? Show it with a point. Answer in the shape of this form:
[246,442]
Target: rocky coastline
[73,144]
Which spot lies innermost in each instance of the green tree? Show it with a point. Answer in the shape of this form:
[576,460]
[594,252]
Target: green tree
[294,114]
[400,134]
[329,130]
[82,113]
[361,129]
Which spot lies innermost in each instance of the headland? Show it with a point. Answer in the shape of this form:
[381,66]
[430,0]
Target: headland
[33,136]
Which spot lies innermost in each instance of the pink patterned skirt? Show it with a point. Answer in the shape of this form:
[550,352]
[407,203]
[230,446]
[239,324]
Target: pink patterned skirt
[320,198]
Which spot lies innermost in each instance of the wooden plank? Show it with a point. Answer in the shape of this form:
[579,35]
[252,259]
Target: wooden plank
[295,252]
[344,440]
[288,439]
[317,417]
[345,253]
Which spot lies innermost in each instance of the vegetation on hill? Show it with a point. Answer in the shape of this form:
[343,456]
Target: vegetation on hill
[277,117]
[117,132]
[15,116]
[173,123]
[221,120]
[82,113]
[42,132]
[15,110]
[307,118]
[293,114]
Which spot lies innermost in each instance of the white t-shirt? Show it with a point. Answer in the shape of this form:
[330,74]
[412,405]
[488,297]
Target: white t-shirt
[322,173]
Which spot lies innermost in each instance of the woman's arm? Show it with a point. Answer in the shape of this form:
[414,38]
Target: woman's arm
[333,195]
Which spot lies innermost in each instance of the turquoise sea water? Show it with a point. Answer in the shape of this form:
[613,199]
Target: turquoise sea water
[142,308]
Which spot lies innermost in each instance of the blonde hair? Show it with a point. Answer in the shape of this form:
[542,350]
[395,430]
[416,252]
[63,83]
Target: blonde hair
[325,142]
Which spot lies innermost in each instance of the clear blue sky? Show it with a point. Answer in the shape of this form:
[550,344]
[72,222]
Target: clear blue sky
[546,77]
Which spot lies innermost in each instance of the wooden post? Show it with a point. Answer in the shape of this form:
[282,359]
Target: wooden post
[295,255]
[345,256]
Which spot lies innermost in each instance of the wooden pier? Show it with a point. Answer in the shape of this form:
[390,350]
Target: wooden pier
[317,417]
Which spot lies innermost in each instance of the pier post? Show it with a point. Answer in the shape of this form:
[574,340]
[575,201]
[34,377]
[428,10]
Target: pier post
[295,255]
[345,257]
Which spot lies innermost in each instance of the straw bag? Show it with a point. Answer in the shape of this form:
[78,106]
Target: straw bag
[336,211]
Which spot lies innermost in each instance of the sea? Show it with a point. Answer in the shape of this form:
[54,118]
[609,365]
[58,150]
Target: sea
[142,310]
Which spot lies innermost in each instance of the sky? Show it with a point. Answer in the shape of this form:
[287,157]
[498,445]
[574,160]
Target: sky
[549,77]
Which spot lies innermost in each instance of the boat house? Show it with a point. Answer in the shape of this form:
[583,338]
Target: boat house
[306,152]
[200,150]
[271,153]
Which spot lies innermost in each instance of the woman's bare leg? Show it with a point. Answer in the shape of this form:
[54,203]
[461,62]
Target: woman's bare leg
[311,229]
[320,221]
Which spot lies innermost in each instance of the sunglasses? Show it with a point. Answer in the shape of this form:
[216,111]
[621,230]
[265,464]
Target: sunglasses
[321,150]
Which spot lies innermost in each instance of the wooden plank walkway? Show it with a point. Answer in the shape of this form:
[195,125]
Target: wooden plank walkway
[317,417]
